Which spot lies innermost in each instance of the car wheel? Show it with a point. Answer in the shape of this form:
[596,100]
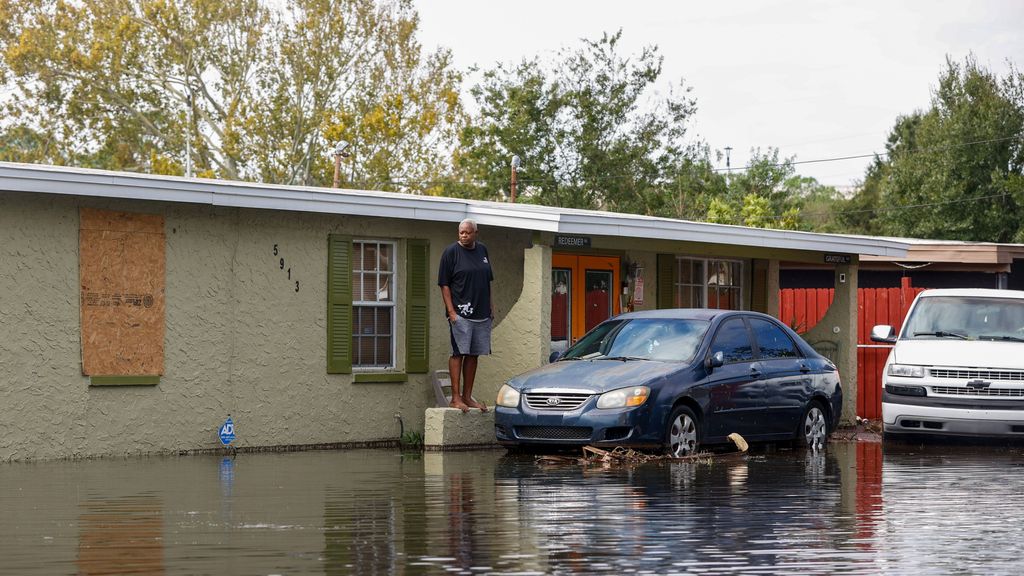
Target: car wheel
[682,438]
[813,431]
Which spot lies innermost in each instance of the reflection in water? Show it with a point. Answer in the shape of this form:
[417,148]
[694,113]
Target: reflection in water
[855,509]
[121,536]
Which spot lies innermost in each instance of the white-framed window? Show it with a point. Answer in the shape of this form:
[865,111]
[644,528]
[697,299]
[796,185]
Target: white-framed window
[373,304]
[709,283]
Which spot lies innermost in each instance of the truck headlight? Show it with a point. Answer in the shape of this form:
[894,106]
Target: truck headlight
[508,396]
[906,370]
[624,397]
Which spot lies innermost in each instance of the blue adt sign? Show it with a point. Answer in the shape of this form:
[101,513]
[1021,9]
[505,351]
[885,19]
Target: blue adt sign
[227,432]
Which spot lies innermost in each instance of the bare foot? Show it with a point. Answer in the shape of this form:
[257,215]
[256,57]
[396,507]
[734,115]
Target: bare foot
[457,402]
[473,403]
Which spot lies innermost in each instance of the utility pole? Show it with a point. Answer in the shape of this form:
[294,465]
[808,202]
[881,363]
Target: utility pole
[515,166]
[188,132]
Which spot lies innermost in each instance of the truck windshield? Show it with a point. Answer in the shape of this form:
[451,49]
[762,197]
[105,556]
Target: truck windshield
[966,318]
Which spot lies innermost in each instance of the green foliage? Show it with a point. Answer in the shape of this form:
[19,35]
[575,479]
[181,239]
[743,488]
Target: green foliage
[955,171]
[585,132]
[769,194]
[411,440]
[259,89]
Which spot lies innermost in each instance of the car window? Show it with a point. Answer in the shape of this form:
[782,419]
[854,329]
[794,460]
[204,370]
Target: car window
[665,339]
[595,342]
[733,341]
[772,341]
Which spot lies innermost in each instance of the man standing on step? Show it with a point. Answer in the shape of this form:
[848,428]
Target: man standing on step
[465,279]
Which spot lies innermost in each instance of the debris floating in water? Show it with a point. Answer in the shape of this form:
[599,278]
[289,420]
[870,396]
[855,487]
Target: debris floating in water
[621,455]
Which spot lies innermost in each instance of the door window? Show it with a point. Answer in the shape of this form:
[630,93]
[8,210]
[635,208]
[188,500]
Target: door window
[772,341]
[733,341]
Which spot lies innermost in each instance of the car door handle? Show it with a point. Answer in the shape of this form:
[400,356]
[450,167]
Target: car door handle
[804,368]
[755,372]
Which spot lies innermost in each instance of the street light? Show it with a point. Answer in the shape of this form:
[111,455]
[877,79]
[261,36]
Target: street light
[728,169]
[515,166]
[340,151]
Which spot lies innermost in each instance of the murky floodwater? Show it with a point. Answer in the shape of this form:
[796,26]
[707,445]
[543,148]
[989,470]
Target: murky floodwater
[854,509]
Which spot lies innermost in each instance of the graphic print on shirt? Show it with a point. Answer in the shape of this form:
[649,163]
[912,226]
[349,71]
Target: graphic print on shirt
[465,309]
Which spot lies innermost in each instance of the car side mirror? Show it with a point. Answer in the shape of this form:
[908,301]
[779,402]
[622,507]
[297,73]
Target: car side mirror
[714,361]
[554,356]
[883,333]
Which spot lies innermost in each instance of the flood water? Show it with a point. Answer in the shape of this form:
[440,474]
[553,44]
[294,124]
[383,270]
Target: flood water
[857,509]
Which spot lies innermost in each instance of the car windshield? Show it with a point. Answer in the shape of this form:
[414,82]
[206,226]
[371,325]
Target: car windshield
[966,318]
[663,339]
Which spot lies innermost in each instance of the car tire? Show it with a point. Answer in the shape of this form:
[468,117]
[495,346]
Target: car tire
[813,430]
[682,435]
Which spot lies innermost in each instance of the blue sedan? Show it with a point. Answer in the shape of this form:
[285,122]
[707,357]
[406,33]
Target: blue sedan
[675,380]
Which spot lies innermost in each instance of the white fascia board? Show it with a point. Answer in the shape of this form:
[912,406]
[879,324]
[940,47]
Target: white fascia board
[100,183]
[666,229]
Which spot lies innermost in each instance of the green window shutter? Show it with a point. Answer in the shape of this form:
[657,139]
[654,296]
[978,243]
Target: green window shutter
[417,309]
[667,272]
[339,304]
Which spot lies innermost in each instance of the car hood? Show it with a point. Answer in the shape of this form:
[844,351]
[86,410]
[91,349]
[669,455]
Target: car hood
[595,375]
[966,353]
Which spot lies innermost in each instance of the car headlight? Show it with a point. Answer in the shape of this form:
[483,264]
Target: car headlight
[624,397]
[508,396]
[906,370]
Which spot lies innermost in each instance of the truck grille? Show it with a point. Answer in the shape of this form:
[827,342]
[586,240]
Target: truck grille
[971,374]
[556,401]
[963,391]
[554,432]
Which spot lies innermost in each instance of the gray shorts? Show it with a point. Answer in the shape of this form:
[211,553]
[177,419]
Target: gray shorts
[470,337]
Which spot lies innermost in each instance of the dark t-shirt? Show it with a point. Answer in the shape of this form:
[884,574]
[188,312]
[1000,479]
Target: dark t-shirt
[467,274]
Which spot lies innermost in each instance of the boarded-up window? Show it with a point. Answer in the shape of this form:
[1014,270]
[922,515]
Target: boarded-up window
[121,267]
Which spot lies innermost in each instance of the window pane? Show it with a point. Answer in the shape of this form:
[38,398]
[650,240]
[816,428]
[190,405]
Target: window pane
[385,251]
[383,351]
[772,340]
[561,305]
[383,321]
[598,298]
[384,288]
[733,341]
[357,287]
[686,271]
[365,351]
[369,256]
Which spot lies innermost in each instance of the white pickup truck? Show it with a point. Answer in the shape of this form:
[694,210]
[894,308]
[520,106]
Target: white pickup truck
[957,367]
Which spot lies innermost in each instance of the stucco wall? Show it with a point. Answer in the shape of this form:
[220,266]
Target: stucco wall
[239,339]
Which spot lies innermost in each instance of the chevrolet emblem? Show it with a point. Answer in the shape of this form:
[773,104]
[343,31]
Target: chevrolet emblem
[978,384]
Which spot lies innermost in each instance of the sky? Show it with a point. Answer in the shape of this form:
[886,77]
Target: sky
[818,80]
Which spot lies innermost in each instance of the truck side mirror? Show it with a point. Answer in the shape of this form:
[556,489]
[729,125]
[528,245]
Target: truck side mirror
[883,333]
[554,356]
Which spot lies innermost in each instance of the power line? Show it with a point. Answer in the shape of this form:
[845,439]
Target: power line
[537,181]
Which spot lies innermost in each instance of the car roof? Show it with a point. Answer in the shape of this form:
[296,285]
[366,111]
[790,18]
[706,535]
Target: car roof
[687,313]
[976,292]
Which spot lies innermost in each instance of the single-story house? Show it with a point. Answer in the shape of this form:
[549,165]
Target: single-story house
[138,312]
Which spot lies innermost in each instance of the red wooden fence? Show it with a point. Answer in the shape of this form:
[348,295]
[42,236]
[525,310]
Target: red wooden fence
[803,308]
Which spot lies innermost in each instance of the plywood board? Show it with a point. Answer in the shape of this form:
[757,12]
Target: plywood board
[121,267]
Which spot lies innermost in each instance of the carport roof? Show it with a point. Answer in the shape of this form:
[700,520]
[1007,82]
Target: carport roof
[41,179]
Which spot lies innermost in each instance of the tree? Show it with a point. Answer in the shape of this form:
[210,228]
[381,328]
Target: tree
[257,89]
[955,171]
[767,194]
[586,136]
